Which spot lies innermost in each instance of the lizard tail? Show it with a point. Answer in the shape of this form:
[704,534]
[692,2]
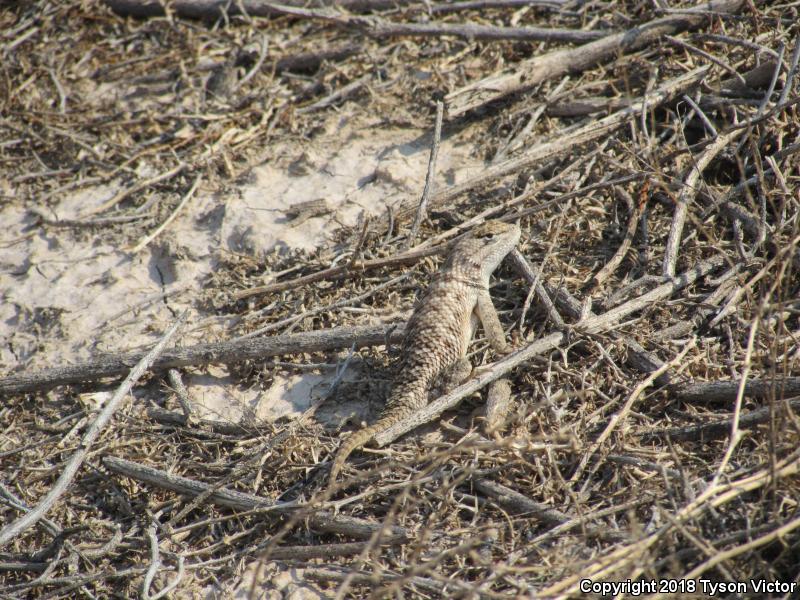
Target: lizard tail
[355,441]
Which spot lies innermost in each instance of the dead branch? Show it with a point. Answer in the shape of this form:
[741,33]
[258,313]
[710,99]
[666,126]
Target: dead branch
[567,142]
[619,255]
[687,194]
[528,74]
[202,354]
[372,26]
[315,551]
[215,9]
[637,357]
[423,583]
[519,504]
[318,520]
[448,7]
[594,324]
[722,427]
[725,391]
[405,258]
[379,28]
[12,530]
[137,187]
[429,177]
[311,61]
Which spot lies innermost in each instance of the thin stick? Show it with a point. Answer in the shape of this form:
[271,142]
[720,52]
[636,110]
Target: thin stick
[639,358]
[429,177]
[202,354]
[320,521]
[530,73]
[720,427]
[626,408]
[404,258]
[726,391]
[494,371]
[340,94]
[562,143]
[619,255]
[519,504]
[787,87]
[442,8]
[122,194]
[710,57]
[688,192]
[534,279]
[73,464]
[604,565]
[736,434]
[375,26]
[262,54]
[150,237]
[379,28]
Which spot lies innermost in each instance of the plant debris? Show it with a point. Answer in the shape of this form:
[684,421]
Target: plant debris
[651,433]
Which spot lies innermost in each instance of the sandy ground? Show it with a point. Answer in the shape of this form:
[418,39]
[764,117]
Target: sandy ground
[72,293]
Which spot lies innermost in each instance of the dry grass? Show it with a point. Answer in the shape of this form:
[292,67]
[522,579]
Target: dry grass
[90,97]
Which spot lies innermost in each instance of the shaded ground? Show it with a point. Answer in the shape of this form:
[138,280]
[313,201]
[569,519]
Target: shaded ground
[272,147]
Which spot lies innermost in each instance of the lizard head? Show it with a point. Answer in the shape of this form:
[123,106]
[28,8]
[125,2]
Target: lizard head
[488,244]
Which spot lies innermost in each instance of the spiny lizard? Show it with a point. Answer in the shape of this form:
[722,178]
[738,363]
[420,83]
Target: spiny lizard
[441,327]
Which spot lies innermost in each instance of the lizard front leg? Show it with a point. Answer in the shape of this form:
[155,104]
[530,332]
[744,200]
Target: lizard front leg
[491,323]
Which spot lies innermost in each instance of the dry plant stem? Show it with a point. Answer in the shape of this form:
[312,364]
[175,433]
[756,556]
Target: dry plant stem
[645,465]
[484,4]
[215,9]
[340,94]
[150,237]
[637,357]
[594,324]
[405,258]
[12,530]
[603,567]
[528,74]
[315,551]
[564,143]
[726,391]
[429,177]
[122,194]
[779,533]
[626,408]
[311,61]
[720,428]
[178,419]
[519,504]
[709,57]
[155,563]
[320,520]
[203,354]
[423,583]
[688,192]
[619,255]
[533,278]
[380,28]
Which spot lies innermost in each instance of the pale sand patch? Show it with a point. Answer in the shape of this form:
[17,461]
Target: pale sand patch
[67,295]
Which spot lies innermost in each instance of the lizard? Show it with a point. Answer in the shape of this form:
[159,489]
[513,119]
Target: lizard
[434,347]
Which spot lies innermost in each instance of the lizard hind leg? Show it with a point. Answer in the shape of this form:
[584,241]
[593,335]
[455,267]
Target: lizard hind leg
[453,376]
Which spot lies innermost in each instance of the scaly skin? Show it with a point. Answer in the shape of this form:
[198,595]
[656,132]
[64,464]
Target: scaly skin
[441,327]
